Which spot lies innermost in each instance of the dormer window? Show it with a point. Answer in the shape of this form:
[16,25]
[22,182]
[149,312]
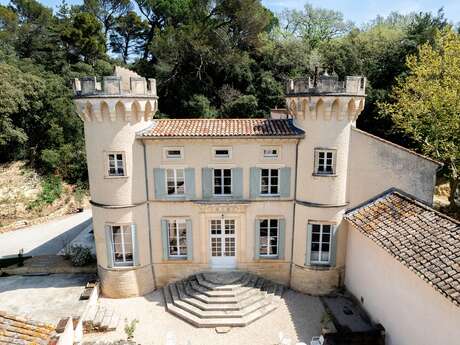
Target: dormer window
[116,164]
[325,162]
[222,152]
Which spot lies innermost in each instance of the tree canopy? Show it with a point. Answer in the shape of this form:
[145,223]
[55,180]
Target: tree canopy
[220,58]
[425,105]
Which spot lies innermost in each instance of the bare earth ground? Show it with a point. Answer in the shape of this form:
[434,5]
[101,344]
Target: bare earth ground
[298,317]
[19,186]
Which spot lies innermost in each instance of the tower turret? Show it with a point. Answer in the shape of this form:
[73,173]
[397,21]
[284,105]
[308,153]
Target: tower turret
[113,110]
[326,109]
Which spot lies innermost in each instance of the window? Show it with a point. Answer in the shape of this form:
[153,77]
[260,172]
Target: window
[320,252]
[269,237]
[222,153]
[271,152]
[222,181]
[173,153]
[325,162]
[122,242]
[116,164]
[177,238]
[175,181]
[269,181]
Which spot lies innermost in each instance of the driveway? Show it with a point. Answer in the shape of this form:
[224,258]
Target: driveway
[45,239]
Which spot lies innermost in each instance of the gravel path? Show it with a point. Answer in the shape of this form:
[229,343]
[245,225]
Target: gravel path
[298,317]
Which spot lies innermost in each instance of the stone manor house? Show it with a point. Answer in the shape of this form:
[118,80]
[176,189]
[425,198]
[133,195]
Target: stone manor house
[303,198]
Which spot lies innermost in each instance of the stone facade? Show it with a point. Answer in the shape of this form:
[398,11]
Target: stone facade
[130,153]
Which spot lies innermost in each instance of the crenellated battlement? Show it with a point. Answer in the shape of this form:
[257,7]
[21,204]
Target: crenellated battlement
[326,85]
[118,86]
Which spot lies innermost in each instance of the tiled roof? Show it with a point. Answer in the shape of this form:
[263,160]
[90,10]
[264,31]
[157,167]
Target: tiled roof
[18,330]
[422,239]
[221,128]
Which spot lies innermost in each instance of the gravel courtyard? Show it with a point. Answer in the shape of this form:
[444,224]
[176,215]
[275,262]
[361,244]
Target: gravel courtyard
[298,317]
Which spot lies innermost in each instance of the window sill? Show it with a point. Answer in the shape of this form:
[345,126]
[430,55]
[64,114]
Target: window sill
[178,258]
[269,195]
[268,258]
[123,268]
[116,177]
[319,267]
[324,175]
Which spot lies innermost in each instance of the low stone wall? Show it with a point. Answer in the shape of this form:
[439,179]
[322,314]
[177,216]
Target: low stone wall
[170,272]
[316,281]
[121,283]
[271,270]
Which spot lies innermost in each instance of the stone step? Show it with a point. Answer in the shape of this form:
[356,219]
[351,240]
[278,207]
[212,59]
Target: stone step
[220,293]
[215,322]
[202,305]
[99,317]
[242,312]
[206,299]
[227,287]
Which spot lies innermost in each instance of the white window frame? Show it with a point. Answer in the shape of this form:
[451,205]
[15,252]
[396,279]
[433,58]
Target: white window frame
[166,155]
[268,245]
[271,156]
[217,157]
[270,182]
[175,181]
[122,227]
[320,252]
[181,222]
[333,153]
[222,180]
[117,164]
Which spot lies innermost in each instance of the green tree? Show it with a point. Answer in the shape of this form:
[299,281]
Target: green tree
[315,25]
[107,12]
[127,36]
[83,38]
[425,103]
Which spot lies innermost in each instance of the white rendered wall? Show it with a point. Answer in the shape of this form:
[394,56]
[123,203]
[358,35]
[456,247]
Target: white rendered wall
[411,311]
[376,165]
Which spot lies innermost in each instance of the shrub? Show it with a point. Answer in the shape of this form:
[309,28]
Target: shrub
[130,328]
[80,255]
[51,190]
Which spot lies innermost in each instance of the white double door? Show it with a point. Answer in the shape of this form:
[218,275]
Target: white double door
[223,243]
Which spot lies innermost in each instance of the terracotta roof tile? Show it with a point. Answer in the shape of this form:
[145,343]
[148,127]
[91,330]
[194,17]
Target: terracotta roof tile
[22,331]
[221,128]
[424,240]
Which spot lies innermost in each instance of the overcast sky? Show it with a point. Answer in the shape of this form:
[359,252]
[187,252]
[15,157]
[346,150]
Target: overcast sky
[358,11]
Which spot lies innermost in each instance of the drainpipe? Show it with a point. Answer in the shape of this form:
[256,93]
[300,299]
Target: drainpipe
[148,214]
[293,213]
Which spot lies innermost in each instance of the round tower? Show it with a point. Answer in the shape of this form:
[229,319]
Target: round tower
[113,110]
[326,109]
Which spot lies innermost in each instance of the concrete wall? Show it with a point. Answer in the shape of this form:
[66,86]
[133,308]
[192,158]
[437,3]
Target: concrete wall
[377,165]
[411,311]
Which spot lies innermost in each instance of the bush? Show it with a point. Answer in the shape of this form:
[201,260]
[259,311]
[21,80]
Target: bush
[51,190]
[79,255]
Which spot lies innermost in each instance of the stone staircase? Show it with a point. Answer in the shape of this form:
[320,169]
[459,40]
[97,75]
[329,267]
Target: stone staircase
[222,299]
[100,319]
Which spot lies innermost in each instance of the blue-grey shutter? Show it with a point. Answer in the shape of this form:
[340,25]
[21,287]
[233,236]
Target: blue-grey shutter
[160,183]
[281,238]
[206,183]
[334,229]
[254,182]
[308,245]
[257,240]
[188,226]
[189,183]
[164,238]
[109,245]
[285,182]
[237,183]
[135,245]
